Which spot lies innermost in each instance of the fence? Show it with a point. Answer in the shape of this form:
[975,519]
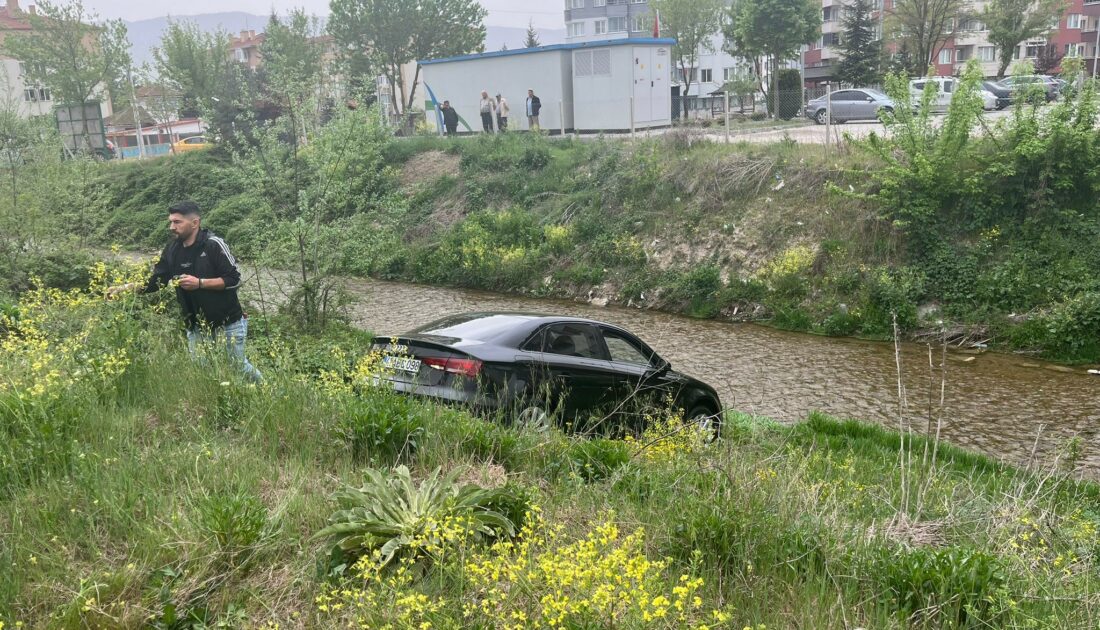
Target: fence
[756,106]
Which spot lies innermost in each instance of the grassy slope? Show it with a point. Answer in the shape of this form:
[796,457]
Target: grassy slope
[766,233]
[165,494]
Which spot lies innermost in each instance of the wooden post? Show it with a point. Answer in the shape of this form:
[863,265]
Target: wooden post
[727,117]
[828,114]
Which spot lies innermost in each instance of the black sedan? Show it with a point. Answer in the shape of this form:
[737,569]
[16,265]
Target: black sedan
[541,367]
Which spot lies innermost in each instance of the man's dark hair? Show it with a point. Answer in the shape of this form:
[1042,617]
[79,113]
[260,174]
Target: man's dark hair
[186,208]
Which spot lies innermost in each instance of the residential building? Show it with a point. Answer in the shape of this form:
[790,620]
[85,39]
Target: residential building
[1073,35]
[245,48]
[594,20]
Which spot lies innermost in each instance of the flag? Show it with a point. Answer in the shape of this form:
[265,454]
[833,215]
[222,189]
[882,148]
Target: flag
[656,23]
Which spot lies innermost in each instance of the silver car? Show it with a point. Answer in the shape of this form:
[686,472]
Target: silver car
[855,104]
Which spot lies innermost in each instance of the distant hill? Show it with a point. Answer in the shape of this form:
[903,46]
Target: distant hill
[146,34]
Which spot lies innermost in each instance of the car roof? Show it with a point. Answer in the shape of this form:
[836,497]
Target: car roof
[495,327]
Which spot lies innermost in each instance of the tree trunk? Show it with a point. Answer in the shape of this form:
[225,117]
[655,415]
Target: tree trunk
[412,92]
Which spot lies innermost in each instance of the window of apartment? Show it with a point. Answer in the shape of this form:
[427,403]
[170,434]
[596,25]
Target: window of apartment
[1073,20]
[641,23]
[599,3]
[972,25]
[962,54]
[616,24]
[693,75]
[729,73]
[830,39]
[574,4]
[706,75]
[945,55]
[1075,50]
[987,54]
[36,95]
[827,14]
[241,55]
[1032,49]
[645,1]
[574,29]
[599,27]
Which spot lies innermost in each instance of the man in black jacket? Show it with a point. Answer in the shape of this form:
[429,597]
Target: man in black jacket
[450,118]
[207,278]
[534,106]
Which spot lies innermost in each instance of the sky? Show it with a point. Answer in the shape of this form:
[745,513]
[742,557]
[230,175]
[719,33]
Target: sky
[545,13]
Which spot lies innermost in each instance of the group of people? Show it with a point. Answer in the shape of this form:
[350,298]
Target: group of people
[494,113]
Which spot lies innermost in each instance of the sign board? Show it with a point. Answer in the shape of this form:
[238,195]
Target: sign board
[81,128]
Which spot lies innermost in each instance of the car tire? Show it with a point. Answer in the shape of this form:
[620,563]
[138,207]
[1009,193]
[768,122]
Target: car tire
[820,117]
[534,418]
[704,417]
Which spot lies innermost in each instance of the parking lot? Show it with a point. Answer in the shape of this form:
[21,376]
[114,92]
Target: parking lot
[815,134]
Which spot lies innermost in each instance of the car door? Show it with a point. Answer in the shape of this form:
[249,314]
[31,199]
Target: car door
[944,95]
[638,388]
[841,105]
[862,106]
[568,370]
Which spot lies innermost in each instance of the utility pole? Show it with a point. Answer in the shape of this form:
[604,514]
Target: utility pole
[137,115]
[1096,50]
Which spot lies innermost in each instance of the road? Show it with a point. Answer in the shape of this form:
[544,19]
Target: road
[815,134]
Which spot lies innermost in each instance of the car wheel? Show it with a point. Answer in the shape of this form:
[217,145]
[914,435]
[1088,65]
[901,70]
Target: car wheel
[820,117]
[707,420]
[534,418]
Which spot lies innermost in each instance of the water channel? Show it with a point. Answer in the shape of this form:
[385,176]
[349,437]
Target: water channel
[1002,405]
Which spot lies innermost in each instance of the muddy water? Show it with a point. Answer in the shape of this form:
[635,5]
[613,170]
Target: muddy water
[1001,405]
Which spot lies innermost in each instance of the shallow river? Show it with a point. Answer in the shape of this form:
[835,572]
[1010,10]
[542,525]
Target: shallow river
[1002,405]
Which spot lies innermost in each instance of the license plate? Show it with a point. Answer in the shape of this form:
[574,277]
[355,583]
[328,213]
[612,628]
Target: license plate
[401,364]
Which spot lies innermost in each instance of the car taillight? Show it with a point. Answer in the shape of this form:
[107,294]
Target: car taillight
[465,367]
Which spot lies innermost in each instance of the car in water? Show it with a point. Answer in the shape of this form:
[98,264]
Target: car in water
[194,143]
[845,105]
[944,89]
[542,369]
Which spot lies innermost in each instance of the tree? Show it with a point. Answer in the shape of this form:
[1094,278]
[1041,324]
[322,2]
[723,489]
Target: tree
[292,54]
[1011,22]
[861,52]
[743,86]
[193,63]
[922,26]
[1048,59]
[387,34]
[692,23]
[532,39]
[68,51]
[774,29]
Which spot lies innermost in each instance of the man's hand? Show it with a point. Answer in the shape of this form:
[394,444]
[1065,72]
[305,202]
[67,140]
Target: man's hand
[113,292]
[188,283]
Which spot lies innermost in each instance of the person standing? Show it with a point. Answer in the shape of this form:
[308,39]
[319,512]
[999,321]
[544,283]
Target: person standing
[486,106]
[450,118]
[502,113]
[207,278]
[534,106]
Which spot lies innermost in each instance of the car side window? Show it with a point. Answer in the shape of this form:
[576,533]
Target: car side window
[918,86]
[623,350]
[858,96]
[843,95]
[572,340]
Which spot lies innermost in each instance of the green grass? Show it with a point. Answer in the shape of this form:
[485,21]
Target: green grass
[174,495]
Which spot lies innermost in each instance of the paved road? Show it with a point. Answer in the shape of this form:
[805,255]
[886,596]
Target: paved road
[815,134]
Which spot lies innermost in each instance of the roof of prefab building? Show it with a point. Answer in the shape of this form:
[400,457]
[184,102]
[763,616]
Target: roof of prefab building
[603,43]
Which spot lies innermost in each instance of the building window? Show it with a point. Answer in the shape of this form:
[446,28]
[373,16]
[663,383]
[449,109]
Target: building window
[692,75]
[962,54]
[827,14]
[729,73]
[574,29]
[599,3]
[241,55]
[36,95]
[638,1]
[574,4]
[706,75]
[945,55]
[599,27]
[641,23]
[830,39]
[1073,20]
[616,25]
[1032,49]
[987,54]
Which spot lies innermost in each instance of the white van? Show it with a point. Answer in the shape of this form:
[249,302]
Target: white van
[945,90]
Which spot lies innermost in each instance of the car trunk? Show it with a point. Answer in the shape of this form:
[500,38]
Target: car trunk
[429,366]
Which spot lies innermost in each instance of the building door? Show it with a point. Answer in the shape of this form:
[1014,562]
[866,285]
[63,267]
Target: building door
[644,84]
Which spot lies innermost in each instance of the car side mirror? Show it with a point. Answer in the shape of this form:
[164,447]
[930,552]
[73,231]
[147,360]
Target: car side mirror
[870,100]
[662,368]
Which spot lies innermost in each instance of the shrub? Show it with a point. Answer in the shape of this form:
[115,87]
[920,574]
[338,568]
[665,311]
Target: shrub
[380,427]
[389,517]
[1072,328]
[596,459]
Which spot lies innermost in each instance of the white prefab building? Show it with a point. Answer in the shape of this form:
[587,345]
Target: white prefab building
[584,87]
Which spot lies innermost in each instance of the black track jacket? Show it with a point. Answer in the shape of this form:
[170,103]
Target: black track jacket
[207,258]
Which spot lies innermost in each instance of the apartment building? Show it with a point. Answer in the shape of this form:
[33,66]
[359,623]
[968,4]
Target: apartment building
[29,100]
[1073,35]
[594,20]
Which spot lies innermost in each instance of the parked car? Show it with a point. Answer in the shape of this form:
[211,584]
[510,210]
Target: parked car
[1001,91]
[1022,83]
[194,143]
[541,368]
[845,105]
[945,90]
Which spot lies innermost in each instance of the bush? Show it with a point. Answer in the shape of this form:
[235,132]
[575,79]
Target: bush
[1071,329]
[790,91]
[596,459]
[380,427]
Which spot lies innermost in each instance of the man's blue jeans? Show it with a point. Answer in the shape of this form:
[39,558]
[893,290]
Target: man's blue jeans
[235,335]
